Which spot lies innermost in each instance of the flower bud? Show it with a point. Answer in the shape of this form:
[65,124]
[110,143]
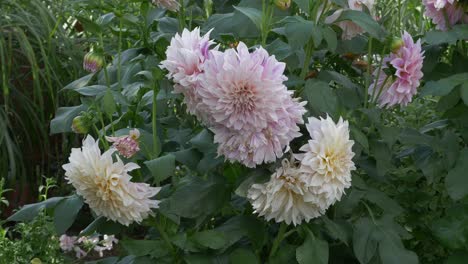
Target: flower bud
[81,125]
[397,44]
[283,4]
[93,62]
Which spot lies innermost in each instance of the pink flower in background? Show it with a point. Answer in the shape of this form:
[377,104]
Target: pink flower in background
[351,29]
[127,145]
[443,11]
[254,115]
[400,87]
[93,62]
[67,242]
[172,5]
[184,61]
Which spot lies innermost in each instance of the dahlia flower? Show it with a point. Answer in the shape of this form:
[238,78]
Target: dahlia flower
[172,5]
[184,61]
[67,242]
[127,145]
[350,29]
[443,11]
[326,161]
[105,185]
[254,115]
[400,87]
[285,197]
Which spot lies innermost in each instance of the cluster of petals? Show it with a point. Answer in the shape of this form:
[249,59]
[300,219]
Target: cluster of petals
[400,87]
[238,94]
[185,57]
[73,243]
[255,115]
[442,12]
[350,29]
[127,145]
[300,191]
[172,5]
[106,186]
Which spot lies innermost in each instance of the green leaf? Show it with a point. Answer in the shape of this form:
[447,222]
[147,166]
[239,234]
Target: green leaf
[162,167]
[365,240]
[210,239]
[464,92]
[93,227]
[253,14]
[303,5]
[313,250]
[452,230]
[298,32]
[365,21]
[203,141]
[458,257]
[444,86]
[108,103]
[243,256]
[64,117]
[82,82]
[90,25]
[330,37]
[392,250]
[29,211]
[360,138]
[65,213]
[189,157]
[456,180]
[451,36]
[320,96]
[206,197]
[257,176]
[336,230]
[138,248]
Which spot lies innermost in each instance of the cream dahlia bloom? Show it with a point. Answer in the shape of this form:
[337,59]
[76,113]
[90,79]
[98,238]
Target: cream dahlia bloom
[185,57]
[172,5]
[326,161]
[105,185]
[286,197]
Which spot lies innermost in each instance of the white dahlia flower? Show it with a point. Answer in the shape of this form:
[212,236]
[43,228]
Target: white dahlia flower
[286,197]
[105,185]
[326,163]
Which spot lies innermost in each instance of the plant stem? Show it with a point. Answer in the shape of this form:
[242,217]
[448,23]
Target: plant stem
[267,13]
[308,56]
[153,123]
[278,240]
[369,66]
[181,16]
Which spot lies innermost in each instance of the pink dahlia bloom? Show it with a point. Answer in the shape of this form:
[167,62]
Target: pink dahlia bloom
[172,5]
[128,145]
[67,243]
[254,115]
[443,11]
[185,57]
[351,29]
[400,87]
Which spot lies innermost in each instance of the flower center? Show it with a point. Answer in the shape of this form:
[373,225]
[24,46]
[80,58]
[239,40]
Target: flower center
[330,164]
[243,99]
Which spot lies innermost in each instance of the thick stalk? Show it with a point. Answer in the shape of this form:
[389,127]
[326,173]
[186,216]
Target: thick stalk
[278,240]
[153,123]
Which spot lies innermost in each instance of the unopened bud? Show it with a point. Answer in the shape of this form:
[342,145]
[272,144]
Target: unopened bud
[81,125]
[397,44]
[283,4]
[93,62]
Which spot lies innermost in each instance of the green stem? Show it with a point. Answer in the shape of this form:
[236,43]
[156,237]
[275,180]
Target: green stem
[181,16]
[308,57]
[155,132]
[165,237]
[369,66]
[266,19]
[278,240]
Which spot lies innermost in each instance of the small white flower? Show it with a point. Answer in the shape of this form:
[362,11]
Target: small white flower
[67,242]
